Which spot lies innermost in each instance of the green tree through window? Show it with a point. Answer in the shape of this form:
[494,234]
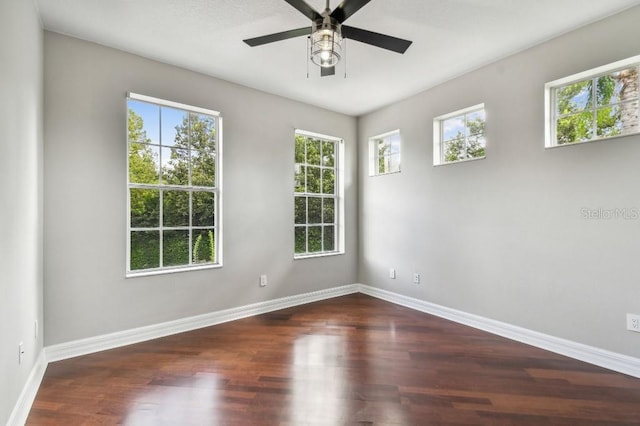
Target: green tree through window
[599,107]
[173,191]
[316,195]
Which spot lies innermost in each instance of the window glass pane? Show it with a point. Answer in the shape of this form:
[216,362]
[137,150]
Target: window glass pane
[328,153]
[175,127]
[175,208]
[175,248]
[329,239]
[573,97]
[313,152]
[300,210]
[203,208]
[328,181]
[175,166]
[204,247]
[144,208]
[383,164]
[203,165]
[394,141]
[382,146]
[453,128]
[313,180]
[143,122]
[143,163]
[315,210]
[476,146]
[620,86]
[300,178]
[475,122]
[617,120]
[574,128]
[328,210]
[301,239]
[203,132]
[454,150]
[300,149]
[145,250]
[315,239]
[394,163]
[629,120]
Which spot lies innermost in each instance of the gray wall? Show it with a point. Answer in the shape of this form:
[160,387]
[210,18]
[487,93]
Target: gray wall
[85,195]
[20,196]
[503,237]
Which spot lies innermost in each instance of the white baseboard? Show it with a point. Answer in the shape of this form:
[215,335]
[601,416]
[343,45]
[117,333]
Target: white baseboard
[127,337]
[21,410]
[600,357]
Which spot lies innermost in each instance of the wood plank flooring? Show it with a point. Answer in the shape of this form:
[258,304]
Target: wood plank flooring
[352,360]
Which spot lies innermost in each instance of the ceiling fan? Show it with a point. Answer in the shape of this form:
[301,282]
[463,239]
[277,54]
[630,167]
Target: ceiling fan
[327,32]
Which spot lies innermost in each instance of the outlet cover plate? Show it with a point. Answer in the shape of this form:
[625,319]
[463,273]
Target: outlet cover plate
[633,322]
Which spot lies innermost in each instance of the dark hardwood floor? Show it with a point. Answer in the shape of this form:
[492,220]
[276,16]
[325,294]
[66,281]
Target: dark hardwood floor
[352,360]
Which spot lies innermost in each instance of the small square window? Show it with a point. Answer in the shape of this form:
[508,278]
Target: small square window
[384,153]
[459,136]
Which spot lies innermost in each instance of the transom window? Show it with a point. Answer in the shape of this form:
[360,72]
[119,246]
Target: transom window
[318,195]
[384,153]
[593,105]
[459,136]
[173,186]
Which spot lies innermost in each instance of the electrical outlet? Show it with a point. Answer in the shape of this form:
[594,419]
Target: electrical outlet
[263,280]
[633,322]
[20,352]
[392,273]
[416,278]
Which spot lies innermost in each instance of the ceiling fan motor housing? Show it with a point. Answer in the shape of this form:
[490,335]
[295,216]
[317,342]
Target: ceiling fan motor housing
[326,42]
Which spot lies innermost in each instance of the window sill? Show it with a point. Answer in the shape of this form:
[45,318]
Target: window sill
[591,141]
[385,174]
[166,271]
[316,255]
[459,161]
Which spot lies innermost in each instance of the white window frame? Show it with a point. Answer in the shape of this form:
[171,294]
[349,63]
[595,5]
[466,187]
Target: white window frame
[217,190]
[374,155]
[551,87]
[438,143]
[339,213]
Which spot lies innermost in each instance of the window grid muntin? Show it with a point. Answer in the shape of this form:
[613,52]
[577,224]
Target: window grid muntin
[308,139]
[189,188]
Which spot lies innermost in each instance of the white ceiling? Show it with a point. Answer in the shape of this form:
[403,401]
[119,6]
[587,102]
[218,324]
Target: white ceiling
[450,37]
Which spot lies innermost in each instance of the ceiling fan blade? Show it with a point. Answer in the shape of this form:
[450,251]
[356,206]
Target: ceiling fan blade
[376,39]
[347,8]
[305,9]
[257,41]
[327,71]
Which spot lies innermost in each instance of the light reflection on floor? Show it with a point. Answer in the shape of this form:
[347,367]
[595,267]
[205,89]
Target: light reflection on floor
[195,401]
[318,380]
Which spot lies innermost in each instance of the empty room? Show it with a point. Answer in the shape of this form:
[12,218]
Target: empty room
[312,212]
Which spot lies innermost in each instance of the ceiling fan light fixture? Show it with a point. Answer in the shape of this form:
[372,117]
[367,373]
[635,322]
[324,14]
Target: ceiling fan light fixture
[326,46]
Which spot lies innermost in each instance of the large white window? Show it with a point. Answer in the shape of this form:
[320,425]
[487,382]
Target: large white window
[593,105]
[384,153]
[459,136]
[174,183]
[318,206]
